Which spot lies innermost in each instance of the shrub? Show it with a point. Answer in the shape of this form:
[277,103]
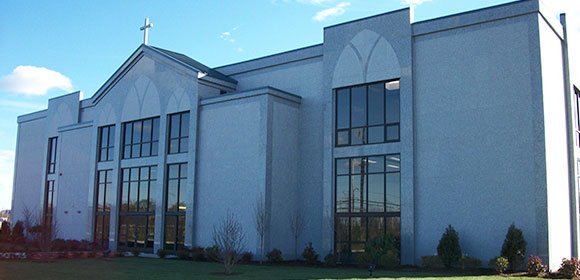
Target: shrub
[309,254]
[500,264]
[182,254]
[330,259]
[4,231]
[535,265]
[514,247]
[58,245]
[72,245]
[469,262]
[448,249]
[390,259]
[162,253]
[378,246]
[17,235]
[431,261]
[570,268]
[246,257]
[136,252]
[212,253]
[274,256]
[197,254]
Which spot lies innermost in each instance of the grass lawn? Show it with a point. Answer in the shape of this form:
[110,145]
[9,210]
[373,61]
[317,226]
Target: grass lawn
[146,268]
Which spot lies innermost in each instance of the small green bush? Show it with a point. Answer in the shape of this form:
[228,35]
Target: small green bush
[330,259]
[469,262]
[514,247]
[535,266]
[17,235]
[448,249]
[570,268]
[212,253]
[309,254]
[197,254]
[274,256]
[390,259]
[136,252]
[4,231]
[162,253]
[431,261]
[378,246]
[182,254]
[58,245]
[246,258]
[500,264]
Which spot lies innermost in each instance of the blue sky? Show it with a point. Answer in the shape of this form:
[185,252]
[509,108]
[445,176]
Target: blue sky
[49,48]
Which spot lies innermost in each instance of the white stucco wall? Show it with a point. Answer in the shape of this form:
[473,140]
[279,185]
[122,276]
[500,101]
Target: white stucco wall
[558,220]
[476,136]
[73,184]
[28,169]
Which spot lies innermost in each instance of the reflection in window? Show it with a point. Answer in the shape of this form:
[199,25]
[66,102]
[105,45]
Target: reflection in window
[51,160]
[178,133]
[141,138]
[175,206]
[103,211]
[367,201]
[368,114]
[106,143]
[48,202]
[137,211]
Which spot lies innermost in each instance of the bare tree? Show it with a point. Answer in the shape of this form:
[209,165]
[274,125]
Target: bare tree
[296,223]
[260,215]
[229,237]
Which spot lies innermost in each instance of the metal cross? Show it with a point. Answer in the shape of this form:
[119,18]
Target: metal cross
[146,28]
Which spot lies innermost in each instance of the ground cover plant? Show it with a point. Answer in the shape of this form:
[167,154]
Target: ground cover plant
[148,268]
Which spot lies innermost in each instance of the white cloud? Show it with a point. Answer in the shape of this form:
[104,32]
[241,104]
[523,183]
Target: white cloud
[34,80]
[239,49]
[334,11]
[6,174]
[414,2]
[226,37]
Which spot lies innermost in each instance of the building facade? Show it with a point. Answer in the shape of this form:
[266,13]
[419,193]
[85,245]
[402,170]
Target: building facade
[388,126]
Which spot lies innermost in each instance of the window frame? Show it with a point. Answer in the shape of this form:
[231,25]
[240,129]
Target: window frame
[103,213]
[126,215]
[109,147]
[366,214]
[385,125]
[51,156]
[180,137]
[179,214]
[154,139]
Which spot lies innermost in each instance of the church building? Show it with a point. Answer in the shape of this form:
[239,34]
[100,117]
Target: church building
[388,126]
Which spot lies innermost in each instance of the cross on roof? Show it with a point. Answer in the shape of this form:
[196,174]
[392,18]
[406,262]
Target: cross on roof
[146,29]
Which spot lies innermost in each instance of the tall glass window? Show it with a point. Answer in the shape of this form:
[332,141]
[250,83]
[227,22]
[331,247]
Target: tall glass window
[367,200]
[104,199]
[367,114]
[141,138]
[178,133]
[106,143]
[577,95]
[49,202]
[175,206]
[137,211]
[51,157]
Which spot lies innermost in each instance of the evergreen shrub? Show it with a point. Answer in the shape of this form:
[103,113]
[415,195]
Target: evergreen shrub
[448,249]
[514,247]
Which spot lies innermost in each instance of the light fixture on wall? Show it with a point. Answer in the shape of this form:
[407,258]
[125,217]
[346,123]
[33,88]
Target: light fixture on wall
[394,85]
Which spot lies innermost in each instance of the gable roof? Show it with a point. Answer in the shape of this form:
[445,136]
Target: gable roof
[178,58]
[195,64]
